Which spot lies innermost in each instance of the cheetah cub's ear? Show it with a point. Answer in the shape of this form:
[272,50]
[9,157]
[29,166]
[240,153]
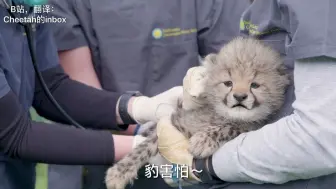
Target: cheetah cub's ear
[210,61]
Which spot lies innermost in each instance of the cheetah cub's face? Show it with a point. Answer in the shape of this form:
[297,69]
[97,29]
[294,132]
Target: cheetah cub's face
[246,80]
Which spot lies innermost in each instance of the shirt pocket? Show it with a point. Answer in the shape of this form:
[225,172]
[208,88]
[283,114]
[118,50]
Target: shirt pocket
[120,21]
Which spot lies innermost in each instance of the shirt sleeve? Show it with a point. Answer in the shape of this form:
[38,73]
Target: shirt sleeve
[264,20]
[299,146]
[218,23]
[46,50]
[69,34]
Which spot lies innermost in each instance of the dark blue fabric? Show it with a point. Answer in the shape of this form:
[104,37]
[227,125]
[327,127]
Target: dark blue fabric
[15,62]
[17,74]
[17,174]
[130,39]
[308,36]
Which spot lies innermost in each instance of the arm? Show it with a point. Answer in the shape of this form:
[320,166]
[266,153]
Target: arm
[98,110]
[73,47]
[53,143]
[77,63]
[72,43]
[99,107]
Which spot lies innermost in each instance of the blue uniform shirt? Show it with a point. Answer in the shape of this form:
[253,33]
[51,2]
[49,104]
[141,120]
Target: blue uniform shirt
[146,45]
[17,74]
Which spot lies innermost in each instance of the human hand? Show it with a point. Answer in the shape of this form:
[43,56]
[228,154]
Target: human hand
[173,147]
[144,109]
[193,86]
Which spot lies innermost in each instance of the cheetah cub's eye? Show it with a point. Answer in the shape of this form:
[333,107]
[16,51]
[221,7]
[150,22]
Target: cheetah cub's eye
[255,85]
[228,83]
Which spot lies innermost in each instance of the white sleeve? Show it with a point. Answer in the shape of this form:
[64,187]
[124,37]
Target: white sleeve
[299,146]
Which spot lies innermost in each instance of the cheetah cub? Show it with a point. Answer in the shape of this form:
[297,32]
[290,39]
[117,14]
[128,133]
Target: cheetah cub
[245,85]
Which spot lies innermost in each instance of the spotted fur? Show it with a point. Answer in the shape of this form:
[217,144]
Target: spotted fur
[245,85]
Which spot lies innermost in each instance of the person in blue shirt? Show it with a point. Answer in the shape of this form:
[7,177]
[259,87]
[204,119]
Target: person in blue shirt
[24,142]
[143,45]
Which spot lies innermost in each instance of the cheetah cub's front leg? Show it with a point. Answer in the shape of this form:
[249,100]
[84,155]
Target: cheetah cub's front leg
[206,142]
[126,170]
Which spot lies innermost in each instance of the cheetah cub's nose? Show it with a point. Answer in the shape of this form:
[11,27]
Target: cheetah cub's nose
[240,96]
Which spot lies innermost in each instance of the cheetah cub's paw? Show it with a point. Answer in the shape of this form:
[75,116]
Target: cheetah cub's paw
[201,145]
[117,177]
